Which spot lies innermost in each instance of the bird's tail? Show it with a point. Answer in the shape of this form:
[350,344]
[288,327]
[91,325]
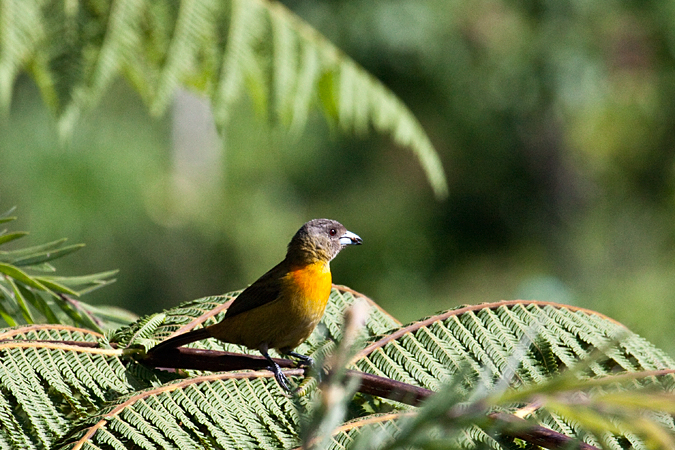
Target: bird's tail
[182,339]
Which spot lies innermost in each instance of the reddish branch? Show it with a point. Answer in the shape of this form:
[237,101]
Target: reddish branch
[217,361]
[536,434]
[211,360]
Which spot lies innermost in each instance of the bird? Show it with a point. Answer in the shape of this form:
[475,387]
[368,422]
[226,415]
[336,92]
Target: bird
[281,308]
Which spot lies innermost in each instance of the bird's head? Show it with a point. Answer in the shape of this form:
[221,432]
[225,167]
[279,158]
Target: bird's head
[320,239]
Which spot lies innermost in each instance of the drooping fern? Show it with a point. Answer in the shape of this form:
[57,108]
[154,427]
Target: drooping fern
[74,50]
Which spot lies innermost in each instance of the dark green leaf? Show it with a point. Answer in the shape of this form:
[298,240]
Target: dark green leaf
[22,277]
[6,316]
[85,280]
[113,316]
[30,251]
[42,267]
[47,256]
[21,302]
[73,309]
[6,297]
[56,287]
[40,303]
[12,236]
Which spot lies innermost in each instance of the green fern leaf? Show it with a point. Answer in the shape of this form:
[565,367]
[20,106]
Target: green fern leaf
[50,375]
[75,50]
[28,252]
[73,389]
[476,341]
[31,298]
[22,32]
[4,238]
[212,412]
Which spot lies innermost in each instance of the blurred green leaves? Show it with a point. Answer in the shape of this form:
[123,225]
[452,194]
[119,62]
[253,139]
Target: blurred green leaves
[75,50]
[28,293]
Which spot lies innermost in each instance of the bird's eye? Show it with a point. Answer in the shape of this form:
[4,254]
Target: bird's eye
[332,232]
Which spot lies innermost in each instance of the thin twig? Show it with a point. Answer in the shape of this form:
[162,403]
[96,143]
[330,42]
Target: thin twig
[77,306]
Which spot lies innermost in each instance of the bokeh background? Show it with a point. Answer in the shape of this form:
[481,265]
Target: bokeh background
[555,121]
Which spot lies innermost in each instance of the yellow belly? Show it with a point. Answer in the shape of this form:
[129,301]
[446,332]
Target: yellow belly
[287,321]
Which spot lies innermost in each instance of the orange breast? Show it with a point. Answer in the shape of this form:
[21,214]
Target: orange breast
[312,286]
[286,322]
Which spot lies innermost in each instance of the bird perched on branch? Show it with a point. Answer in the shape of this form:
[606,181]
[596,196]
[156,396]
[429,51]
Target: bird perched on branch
[281,308]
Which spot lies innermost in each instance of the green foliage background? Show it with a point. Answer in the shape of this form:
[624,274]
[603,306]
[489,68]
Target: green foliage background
[554,121]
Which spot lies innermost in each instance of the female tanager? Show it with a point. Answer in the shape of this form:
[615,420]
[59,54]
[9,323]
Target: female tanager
[282,308]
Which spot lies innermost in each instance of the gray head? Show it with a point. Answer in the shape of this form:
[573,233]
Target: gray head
[321,240]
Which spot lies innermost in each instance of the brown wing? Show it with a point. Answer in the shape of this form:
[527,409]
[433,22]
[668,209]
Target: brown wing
[264,290]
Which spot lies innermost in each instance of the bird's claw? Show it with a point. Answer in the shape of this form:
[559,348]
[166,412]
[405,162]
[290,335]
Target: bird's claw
[304,361]
[281,379]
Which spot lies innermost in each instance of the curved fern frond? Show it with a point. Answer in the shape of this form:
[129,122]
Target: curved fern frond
[343,437]
[562,368]
[478,344]
[22,31]
[268,42]
[50,375]
[484,336]
[50,332]
[216,411]
[75,50]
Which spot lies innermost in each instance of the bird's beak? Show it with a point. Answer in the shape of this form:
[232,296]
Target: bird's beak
[350,238]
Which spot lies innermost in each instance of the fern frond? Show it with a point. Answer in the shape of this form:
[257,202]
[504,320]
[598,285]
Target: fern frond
[469,342]
[381,425]
[50,375]
[21,32]
[215,411]
[468,336]
[576,372]
[210,310]
[193,33]
[75,50]
[28,297]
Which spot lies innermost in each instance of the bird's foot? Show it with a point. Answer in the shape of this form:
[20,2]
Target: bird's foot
[281,378]
[305,361]
[276,370]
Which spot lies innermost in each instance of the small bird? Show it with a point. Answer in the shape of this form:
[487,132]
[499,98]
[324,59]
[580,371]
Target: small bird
[281,308]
